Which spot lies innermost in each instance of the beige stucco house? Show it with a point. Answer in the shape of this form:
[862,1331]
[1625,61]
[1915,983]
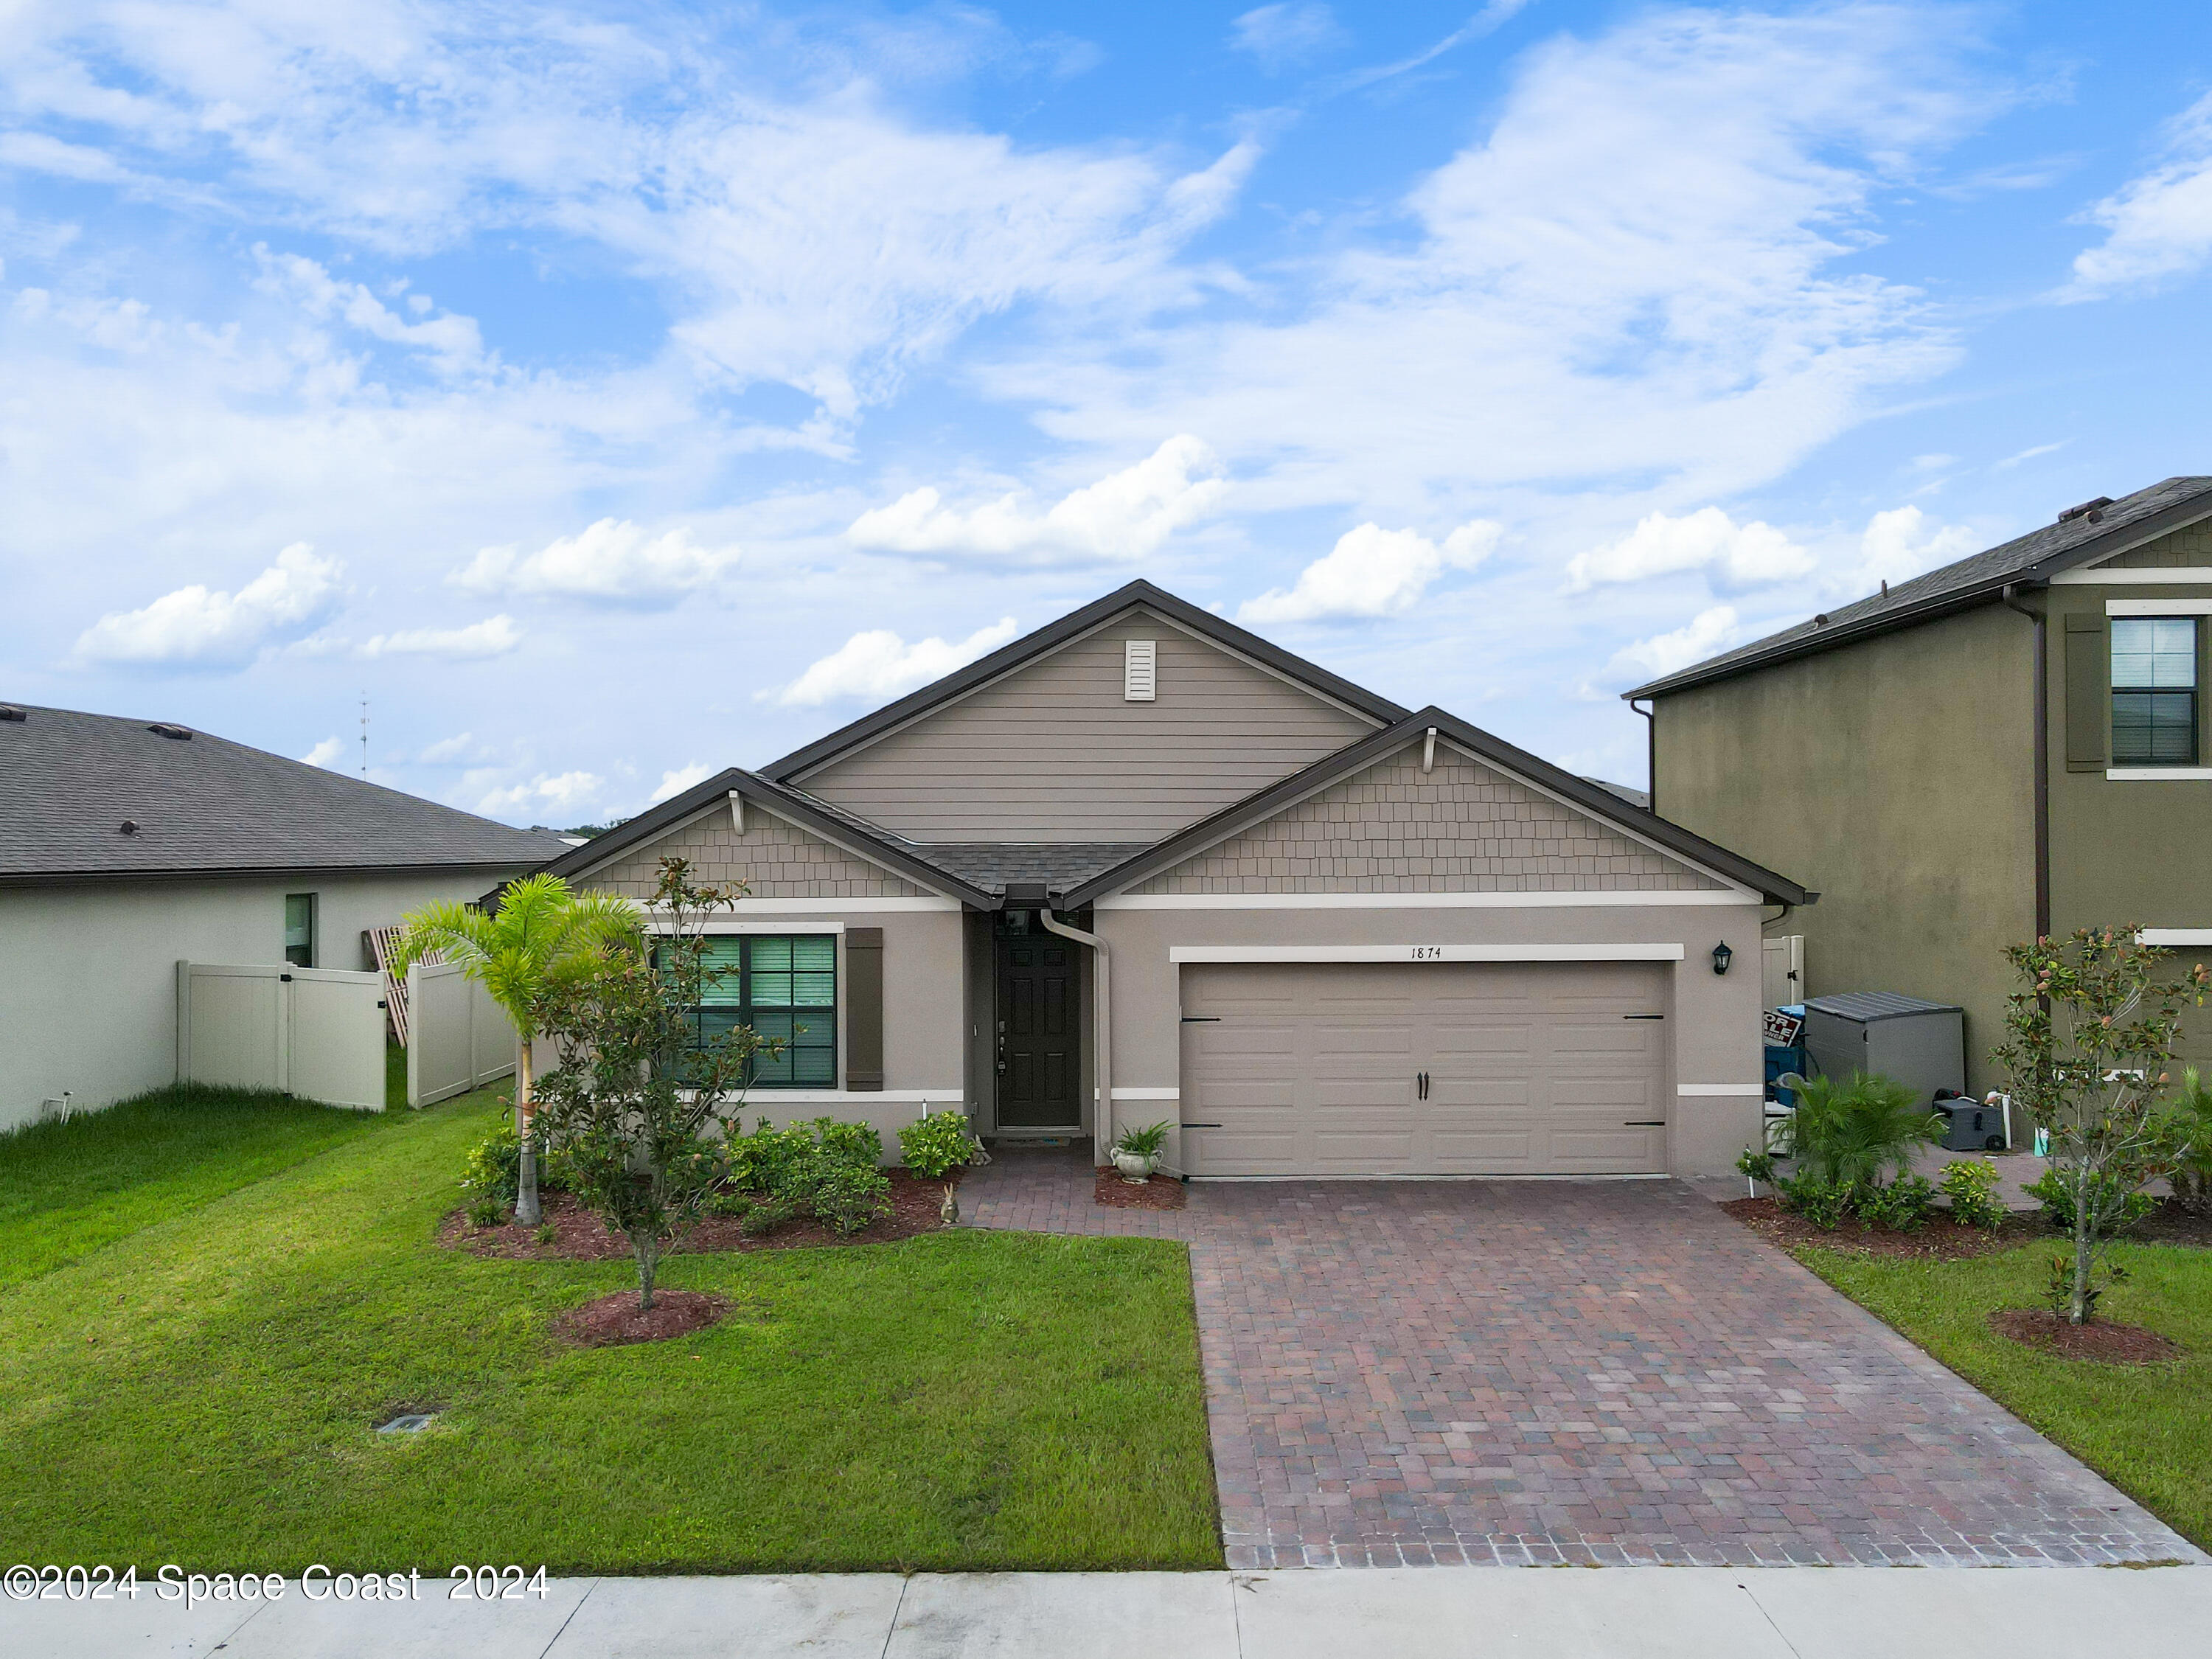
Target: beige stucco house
[1142,866]
[128,845]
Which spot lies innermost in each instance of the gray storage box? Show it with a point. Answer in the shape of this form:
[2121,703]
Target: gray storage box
[1920,1044]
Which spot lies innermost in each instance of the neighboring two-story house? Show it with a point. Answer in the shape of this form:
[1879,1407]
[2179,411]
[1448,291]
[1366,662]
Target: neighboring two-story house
[2016,743]
[1144,865]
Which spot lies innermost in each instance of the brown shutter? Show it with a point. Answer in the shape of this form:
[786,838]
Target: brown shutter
[864,1008]
[2088,705]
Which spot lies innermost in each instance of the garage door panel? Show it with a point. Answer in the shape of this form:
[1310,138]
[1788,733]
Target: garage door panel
[1311,1069]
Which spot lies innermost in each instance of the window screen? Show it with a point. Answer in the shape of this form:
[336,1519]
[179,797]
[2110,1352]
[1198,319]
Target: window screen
[2155,691]
[300,929]
[784,987]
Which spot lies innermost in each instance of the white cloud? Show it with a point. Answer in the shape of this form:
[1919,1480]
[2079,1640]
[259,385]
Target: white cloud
[460,750]
[688,776]
[613,560]
[2159,225]
[326,754]
[1373,572]
[1279,36]
[879,665]
[1706,633]
[2011,461]
[495,636]
[454,343]
[1902,542]
[563,792]
[202,627]
[1731,554]
[1124,516]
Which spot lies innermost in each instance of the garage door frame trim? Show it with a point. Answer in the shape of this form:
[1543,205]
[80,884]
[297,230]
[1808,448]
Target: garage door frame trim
[1179,954]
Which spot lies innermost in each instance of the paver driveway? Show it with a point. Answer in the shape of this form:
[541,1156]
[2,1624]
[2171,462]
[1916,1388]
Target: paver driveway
[1417,1373]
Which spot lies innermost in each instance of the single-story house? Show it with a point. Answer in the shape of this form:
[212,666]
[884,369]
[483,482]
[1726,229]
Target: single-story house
[128,845]
[1144,865]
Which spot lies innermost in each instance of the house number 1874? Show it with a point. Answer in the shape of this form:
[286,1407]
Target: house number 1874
[1428,953]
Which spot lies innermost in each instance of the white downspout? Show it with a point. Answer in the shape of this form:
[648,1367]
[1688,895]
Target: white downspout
[1102,997]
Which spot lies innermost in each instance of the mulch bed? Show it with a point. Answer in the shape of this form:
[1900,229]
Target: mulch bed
[1157,1192]
[1942,1240]
[2103,1340]
[579,1236]
[608,1321]
[2170,1223]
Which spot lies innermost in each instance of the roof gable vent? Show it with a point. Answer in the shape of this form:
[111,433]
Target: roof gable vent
[9,711]
[163,729]
[1140,673]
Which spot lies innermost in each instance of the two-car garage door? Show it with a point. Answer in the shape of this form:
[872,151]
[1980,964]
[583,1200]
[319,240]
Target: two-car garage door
[1424,1068]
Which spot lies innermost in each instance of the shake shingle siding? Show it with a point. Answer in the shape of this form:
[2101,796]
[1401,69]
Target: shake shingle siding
[1462,828]
[772,859]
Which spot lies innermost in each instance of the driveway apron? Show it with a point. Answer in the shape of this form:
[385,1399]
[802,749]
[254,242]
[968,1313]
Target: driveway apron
[1581,1372]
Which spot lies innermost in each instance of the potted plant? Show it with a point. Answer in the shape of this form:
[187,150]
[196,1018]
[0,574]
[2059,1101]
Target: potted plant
[1136,1153]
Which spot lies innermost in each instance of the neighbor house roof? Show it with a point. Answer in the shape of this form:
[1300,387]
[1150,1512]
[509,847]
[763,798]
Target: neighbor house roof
[2081,536]
[1597,799]
[200,805]
[1073,626]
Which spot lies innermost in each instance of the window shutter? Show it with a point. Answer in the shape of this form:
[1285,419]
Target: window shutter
[1140,669]
[864,1008]
[2088,700]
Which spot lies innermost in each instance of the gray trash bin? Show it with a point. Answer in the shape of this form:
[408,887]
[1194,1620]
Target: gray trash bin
[1920,1044]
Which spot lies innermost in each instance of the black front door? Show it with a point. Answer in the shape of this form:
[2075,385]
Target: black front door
[1038,1030]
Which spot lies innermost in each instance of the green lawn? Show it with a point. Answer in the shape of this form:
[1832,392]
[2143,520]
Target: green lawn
[2149,1431]
[202,1390]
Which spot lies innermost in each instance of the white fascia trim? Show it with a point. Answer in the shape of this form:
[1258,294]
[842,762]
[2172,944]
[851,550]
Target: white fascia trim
[2175,936]
[1720,1089]
[2133,576]
[1636,953]
[771,906]
[2158,607]
[764,1098]
[2157,774]
[1120,1093]
[1416,901]
[843,907]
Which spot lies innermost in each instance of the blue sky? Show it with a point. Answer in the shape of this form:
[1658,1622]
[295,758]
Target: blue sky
[612,394]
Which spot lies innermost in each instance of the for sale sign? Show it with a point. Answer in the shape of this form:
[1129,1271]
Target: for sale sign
[1781,1029]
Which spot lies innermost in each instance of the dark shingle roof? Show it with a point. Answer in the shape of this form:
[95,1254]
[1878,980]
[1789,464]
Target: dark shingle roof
[1059,865]
[203,805]
[2028,559]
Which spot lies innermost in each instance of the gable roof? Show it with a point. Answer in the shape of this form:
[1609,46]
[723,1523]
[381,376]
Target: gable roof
[1008,657]
[2080,539]
[1600,802]
[840,828]
[205,805]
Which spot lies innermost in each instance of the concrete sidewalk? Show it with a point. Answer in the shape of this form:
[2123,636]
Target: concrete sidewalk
[1651,1613]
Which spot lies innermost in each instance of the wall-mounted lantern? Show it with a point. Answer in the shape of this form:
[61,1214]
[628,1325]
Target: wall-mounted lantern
[1722,957]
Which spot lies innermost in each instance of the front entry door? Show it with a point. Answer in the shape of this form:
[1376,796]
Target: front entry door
[1038,1030]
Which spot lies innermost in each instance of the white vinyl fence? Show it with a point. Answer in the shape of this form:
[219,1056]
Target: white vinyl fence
[457,1038]
[315,1032]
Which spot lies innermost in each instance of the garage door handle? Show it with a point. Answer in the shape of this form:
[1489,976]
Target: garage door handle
[1643,1016]
[1645,1123]
[1198,1125]
[1201,1020]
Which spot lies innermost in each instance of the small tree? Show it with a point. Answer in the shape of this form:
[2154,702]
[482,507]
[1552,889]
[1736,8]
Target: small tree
[2089,1040]
[638,1081]
[543,936]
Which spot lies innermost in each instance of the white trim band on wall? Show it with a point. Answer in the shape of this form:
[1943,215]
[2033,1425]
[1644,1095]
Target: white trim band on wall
[758,1100]
[2133,576]
[1119,1093]
[1638,895]
[2157,774]
[2158,607]
[1204,953]
[2175,936]
[1720,1088]
[839,906]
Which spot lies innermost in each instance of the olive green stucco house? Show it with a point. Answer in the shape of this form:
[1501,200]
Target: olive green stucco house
[1142,866]
[2013,745]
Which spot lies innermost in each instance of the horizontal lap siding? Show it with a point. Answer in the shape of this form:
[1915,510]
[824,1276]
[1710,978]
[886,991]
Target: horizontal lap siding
[1054,752]
[1460,828]
[772,859]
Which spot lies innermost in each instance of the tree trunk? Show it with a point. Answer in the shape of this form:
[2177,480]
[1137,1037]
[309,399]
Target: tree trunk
[527,1210]
[647,1251]
[2085,1240]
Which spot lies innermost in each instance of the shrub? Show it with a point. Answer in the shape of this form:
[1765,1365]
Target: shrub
[2060,1293]
[1971,1184]
[2119,1210]
[857,1144]
[1822,1203]
[848,1197]
[1754,1164]
[493,1172]
[2185,1144]
[764,1216]
[933,1147]
[485,1211]
[1902,1206]
[769,1160]
[1853,1134]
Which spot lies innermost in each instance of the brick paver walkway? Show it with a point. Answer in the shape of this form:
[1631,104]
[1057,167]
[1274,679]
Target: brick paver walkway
[1446,1372]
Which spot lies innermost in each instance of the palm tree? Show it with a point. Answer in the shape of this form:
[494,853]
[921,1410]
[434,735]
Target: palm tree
[544,935]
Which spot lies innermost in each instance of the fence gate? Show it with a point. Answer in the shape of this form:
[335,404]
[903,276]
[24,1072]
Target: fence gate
[457,1038]
[317,1033]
